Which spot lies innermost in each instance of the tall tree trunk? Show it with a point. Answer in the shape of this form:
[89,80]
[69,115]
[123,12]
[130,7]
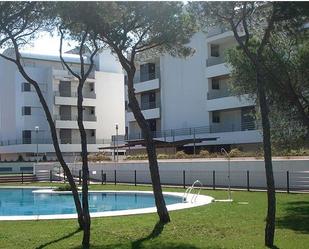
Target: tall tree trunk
[55,143]
[151,152]
[271,198]
[85,169]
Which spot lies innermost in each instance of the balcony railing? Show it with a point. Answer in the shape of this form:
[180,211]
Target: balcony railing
[87,95]
[147,105]
[215,128]
[150,105]
[92,118]
[49,141]
[217,31]
[211,61]
[215,94]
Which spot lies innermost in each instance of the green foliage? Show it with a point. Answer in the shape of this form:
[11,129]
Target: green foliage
[20,158]
[214,226]
[287,84]
[65,187]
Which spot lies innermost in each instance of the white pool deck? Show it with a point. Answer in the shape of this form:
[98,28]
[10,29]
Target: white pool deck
[200,201]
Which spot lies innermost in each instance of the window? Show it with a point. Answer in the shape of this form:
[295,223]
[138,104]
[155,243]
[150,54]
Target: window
[92,111]
[214,50]
[91,88]
[93,133]
[26,137]
[26,110]
[216,117]
[25,87]
[215,84]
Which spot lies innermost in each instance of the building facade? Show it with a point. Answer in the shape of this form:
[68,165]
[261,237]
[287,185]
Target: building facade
[23,125]
[190,98]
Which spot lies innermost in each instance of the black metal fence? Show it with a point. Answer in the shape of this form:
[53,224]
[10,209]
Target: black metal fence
[248,180]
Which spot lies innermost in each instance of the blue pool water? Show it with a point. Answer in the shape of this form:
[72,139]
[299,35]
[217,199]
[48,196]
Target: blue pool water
[24,202]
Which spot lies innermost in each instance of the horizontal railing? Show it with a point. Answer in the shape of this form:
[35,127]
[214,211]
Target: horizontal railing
[49,141]
[215,128]
[287,181]
[214,61]
[150,105]
[91,118]
[147,105]
[87,95]
[215,94]
[217,31]
[142,78]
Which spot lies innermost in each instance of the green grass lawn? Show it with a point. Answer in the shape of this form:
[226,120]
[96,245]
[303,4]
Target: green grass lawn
[216,226]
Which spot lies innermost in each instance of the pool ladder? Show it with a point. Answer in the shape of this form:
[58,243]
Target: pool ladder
[189,190]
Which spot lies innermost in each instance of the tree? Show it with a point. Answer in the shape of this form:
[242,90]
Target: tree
[286,83]
[84,36]
[132,28]
[249,16]
[19,23]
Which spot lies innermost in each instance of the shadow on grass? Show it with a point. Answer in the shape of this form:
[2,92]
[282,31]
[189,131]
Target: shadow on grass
[157,230]
[296,217]
[138,244]
[58,240]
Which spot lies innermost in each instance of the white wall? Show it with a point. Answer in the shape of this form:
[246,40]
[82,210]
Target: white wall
[110,104]
[184,88]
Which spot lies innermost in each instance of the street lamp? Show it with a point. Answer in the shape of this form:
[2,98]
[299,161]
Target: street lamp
[229,172]
[37,128]
[116,126]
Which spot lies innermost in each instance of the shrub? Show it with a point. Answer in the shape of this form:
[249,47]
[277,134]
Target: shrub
[65,187]
[98,157]
[235,153]
[163,156]
[204,153]
[181,154]
[20,158]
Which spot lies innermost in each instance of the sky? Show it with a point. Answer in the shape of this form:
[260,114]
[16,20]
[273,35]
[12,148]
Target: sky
[48,44]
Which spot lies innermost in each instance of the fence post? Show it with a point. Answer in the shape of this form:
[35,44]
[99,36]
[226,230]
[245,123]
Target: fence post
[102,177]
[115,175]
[79,177]
[248,180]
[135,177]
[50,176]
[213,179]
[64,176]
[22,177]
[184,178]
[288,182]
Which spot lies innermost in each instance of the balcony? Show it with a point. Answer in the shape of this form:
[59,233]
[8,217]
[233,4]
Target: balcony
[148,112]
[215,94]
[211,61]
[33,141]
[70,122]
[92,118]
[88,95]
[178,134]
[89,99]
[229,102]
[217,31]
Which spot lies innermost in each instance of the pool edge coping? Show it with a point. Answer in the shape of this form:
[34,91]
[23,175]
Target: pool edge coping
[200,201]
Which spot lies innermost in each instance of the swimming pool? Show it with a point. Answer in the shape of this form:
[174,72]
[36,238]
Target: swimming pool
[30,203]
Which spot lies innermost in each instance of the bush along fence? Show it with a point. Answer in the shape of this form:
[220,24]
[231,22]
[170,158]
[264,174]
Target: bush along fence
[250,180]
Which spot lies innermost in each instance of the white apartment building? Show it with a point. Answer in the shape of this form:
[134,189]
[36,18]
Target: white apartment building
[189,98]
[23,125]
